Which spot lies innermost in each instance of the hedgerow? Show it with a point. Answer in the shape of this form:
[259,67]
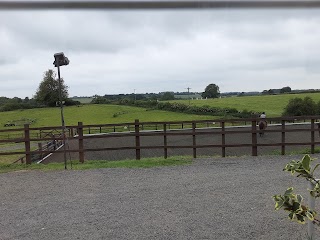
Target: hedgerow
[189,109]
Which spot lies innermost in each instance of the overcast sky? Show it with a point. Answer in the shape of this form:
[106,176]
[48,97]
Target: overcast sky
[115,52]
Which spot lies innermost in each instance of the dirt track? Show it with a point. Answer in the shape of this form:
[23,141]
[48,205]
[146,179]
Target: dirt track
[268,138]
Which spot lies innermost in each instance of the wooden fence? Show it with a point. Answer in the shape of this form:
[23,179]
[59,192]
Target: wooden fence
[138,130]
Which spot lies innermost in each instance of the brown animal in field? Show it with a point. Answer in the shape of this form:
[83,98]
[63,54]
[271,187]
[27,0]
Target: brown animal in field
[262,126]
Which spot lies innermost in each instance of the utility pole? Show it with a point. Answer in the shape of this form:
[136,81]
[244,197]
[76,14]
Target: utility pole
[189,94]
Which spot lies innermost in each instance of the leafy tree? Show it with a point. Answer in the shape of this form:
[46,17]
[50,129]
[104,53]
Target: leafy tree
[211,91]
[26,100]
[48,90]
[99,100]
[285,89]
[167,96]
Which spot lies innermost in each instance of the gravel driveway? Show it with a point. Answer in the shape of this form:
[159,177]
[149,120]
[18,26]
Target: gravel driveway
[216,198]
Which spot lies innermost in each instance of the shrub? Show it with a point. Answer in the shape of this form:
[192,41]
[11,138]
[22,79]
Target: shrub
[100,100]
[15,106]
[301,107]
[70,102]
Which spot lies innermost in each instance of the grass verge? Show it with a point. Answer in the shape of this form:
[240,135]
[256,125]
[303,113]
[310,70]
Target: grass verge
[76,165]
[296,152]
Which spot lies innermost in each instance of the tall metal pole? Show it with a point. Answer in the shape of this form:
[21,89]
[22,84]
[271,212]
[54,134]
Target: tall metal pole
[62,119]
[188,94]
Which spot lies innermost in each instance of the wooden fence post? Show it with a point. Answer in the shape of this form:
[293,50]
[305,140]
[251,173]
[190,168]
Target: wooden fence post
[312,136]
[283,137]
[27,143]
[254,138]
[80,137]
[137,131]
[194,140]
[40,149]
[165,141]
[223,139]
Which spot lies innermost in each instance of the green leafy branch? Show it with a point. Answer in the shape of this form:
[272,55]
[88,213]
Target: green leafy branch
[293,202]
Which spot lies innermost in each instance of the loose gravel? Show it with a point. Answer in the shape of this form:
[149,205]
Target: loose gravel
[219,198]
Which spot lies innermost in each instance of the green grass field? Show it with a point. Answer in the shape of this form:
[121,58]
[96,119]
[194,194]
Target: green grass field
[88,114]
[94,114]
[273,105]
[76,165]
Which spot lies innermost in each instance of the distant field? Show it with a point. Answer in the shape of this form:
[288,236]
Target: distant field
[273,105]
[88,114]
[83,100]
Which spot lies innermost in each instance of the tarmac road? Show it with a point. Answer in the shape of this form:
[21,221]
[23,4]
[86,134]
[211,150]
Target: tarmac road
[219,198]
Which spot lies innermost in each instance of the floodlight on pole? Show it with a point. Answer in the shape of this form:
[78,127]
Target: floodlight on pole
[61,60]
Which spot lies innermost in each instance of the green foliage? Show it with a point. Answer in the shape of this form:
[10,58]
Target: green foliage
[14,106]
[48,90]
[293,202]
[301,167]
[10,104]
[189,109]
[99,100]
[167,96]
[315,192]
[301,107]
[211,91]
[70,102]
[285,90]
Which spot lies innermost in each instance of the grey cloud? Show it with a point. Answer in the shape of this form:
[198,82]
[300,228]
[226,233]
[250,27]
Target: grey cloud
[111,52]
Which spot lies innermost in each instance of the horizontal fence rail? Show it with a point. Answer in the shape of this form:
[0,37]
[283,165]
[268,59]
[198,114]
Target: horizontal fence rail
[152,5]
[49,139]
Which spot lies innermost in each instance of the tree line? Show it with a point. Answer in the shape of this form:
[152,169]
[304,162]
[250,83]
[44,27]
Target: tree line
[47,95]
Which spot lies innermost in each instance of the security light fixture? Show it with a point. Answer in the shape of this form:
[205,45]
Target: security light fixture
[60,59]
